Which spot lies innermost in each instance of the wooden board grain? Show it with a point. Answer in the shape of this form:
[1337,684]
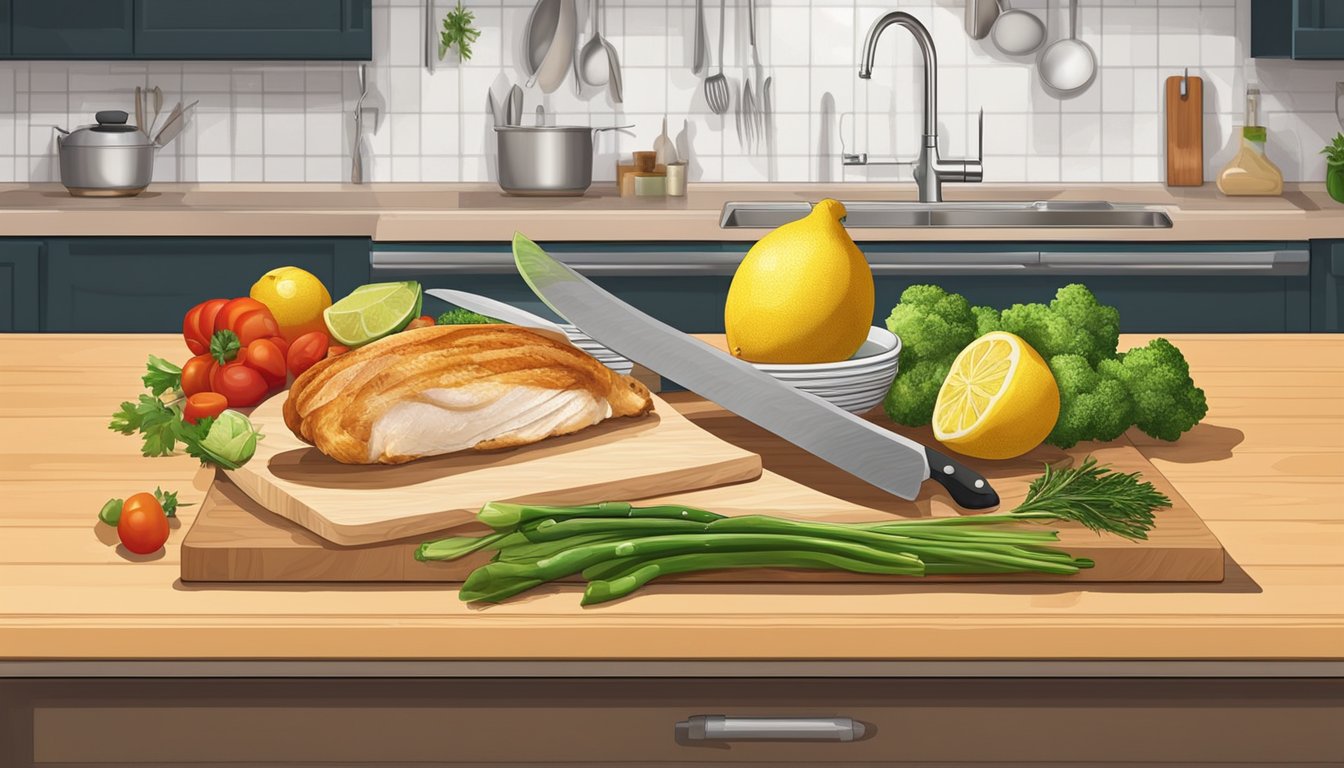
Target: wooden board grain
[1185,132]
[236,540]
[367,504]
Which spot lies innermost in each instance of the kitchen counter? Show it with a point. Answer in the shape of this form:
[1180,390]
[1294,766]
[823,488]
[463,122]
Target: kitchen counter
[1265,471]
[480,212]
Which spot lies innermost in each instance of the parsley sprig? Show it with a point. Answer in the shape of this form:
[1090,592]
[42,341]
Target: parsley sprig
[458,32]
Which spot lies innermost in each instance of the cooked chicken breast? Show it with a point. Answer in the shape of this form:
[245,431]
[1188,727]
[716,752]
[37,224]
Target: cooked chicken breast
[442,389]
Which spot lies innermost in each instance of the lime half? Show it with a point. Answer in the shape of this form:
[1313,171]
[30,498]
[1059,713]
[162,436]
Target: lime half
[372,312]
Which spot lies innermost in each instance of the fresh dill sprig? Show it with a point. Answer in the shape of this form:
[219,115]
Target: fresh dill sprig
[1099,498]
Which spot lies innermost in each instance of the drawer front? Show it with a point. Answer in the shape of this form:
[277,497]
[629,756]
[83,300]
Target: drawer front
[632,722]
[254,29]
[72,29]
[136,285]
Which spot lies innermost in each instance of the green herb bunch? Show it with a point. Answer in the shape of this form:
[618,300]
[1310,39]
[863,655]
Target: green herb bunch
[458,32]
[1334,151]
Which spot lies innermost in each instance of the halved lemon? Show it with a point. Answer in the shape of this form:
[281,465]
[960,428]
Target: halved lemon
[999,401]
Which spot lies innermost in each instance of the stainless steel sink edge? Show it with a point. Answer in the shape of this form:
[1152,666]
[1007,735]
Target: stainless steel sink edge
[864,214]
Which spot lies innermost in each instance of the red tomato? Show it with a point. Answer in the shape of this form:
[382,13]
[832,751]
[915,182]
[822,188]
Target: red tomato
[199,323]
[243,386]
[202,405]
[232,312]
[257,324]
[196,374]
[423,321]
[264,357]
[306,351]
[143,527]
[282,343]
[336,349]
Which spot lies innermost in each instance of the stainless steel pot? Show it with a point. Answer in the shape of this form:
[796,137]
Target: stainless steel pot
[109,159]
[546,160]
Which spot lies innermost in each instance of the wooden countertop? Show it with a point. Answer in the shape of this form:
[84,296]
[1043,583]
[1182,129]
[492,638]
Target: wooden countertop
[1265,471]
[480,212]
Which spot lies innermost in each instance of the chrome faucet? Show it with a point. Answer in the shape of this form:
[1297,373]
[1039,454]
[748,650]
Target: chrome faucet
[930,169]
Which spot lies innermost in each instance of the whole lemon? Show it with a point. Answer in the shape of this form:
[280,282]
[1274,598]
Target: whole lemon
[296,297]
[802,294]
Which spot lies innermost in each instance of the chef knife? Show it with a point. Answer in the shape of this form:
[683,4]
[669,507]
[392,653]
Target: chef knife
[892,462]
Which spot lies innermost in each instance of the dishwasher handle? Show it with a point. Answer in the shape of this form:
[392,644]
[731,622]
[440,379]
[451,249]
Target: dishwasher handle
[704,728]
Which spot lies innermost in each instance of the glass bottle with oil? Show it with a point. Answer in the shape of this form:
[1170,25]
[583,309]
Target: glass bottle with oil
[1251,172]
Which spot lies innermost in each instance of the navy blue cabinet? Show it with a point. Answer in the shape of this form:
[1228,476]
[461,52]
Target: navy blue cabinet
[1327,285]
[253,29]
[187,29]
[1297,29]
[20,289]
[1167,288]
[130,285]
[71,29]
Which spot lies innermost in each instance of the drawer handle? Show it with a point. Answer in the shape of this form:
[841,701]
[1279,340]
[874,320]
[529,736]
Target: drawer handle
[723,728]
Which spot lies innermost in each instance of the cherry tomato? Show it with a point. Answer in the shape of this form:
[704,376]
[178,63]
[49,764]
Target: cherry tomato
[199,323]
[306,351]
[143,527]
[204,404]
[243,386]
[233,311]
[264,357]
[282,343]
[423,321]
[336,349]
[196,374]
[257,324]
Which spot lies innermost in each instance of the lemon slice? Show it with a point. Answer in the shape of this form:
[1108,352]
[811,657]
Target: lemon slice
[998,401]
[373,311]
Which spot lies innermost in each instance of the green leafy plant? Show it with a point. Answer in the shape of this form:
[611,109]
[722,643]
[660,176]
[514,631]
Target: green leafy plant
[1334,151]
[458,32]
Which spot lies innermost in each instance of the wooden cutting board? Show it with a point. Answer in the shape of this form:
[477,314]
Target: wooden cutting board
[1185,132]
[234,539]
[368,504]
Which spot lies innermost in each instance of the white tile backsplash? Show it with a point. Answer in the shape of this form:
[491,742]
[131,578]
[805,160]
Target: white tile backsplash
[292,122]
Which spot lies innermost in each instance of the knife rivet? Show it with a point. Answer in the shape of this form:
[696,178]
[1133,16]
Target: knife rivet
[979,483]
[948,470]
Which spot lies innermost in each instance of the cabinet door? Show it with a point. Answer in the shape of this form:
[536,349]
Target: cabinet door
[19,289]
[143,285]
[6,11]
[72,29]
[1319,32]
[253,29]
[1327,286]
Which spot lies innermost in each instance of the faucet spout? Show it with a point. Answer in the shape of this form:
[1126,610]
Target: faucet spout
[930,170]
[926,47]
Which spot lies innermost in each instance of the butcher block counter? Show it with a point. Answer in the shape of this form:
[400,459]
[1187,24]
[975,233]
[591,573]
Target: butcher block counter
[1265,471]
[96,643]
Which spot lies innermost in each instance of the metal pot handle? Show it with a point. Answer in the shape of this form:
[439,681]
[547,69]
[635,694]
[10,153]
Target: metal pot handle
[614,128]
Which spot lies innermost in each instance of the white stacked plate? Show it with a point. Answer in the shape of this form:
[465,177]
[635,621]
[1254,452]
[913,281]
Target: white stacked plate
[602,354]
[857,384]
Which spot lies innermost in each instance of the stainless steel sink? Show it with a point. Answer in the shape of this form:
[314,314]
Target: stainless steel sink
[869,215]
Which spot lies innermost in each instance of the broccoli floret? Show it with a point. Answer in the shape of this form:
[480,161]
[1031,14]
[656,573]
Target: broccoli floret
[459,316]
[932,323]
[911,397]
[987,320]
[1073,324]
[1091,406]
[1157,377]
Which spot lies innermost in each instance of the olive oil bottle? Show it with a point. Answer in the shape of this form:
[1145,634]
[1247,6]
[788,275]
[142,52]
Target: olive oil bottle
[1251,172]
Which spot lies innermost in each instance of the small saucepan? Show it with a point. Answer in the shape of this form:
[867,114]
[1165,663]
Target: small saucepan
[109,159]
[546,160]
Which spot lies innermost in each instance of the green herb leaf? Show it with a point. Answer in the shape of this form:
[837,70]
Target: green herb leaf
[161,376]
[458,32]
[168,501]
[110,514]
[154,420]
[228,441]
[1102,499]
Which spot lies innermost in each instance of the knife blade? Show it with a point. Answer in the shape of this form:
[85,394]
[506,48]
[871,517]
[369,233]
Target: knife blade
[885,459]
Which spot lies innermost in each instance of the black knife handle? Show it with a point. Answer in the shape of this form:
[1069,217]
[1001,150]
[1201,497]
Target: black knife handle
[966,486]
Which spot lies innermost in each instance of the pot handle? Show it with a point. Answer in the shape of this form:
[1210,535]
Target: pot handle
[614,128]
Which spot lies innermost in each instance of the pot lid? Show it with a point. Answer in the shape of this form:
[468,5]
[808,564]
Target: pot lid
[543,128]
[110,131]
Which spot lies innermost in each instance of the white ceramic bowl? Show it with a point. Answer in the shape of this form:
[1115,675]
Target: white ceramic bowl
[858,384]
